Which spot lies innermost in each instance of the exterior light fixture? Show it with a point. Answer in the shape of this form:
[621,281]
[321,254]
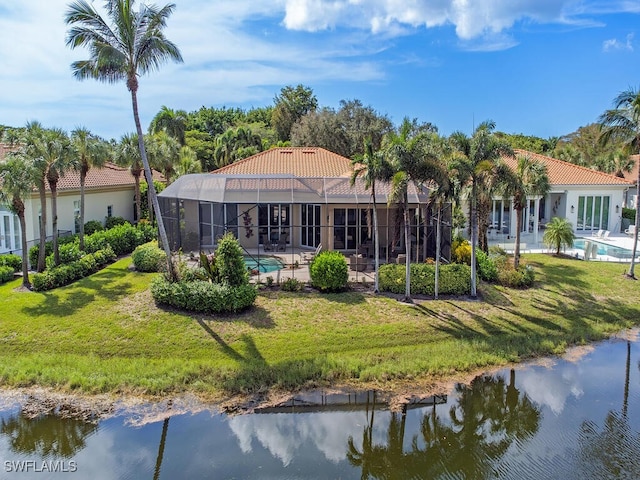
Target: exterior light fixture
[572,208]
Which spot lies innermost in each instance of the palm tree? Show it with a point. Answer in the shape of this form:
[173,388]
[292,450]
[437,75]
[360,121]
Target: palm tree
[33,141]
[90,152]
[474,165]
[414,159]
[127,153]
[58,159]
[558,234]
[371,167]
[164,153]
[616,162]
[622,123]
[133,44]
[171,121]
[529,179]
[16,184]
[187,162]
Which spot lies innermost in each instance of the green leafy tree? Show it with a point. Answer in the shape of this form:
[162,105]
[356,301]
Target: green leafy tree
[475,165]
[203,144]
[289,106]
[622,124]
[16,183]
[530,178]
[187,162]
[321,128]
[559,234]
[90,151]
[617,162]
[133,44]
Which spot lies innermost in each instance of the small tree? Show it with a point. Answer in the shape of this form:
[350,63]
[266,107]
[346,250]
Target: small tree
[230,264]
[559,233]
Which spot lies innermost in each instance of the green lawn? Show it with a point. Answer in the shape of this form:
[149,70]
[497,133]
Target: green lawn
[105,334]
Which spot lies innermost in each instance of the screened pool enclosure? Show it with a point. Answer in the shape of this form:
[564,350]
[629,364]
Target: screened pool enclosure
[284,213]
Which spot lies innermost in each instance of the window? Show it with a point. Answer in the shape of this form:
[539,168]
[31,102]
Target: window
[350,227]
[109,211]
[274,219]
[311,222]
[76,216]
[593,213]
[215,220]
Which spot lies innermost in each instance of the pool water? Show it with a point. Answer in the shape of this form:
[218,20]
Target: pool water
[263,264]
[603,248]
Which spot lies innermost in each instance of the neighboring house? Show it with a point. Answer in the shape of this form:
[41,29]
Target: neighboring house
[291,198]
[109,191]
[589,199]
[632,176]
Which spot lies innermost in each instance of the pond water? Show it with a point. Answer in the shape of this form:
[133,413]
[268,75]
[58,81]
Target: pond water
[576,418]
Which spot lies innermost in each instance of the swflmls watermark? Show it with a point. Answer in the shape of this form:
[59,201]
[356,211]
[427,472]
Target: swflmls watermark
[38,466]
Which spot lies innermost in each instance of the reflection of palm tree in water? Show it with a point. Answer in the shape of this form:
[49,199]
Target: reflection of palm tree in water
[486,420]
[160,456]
[48,436]
[613,452]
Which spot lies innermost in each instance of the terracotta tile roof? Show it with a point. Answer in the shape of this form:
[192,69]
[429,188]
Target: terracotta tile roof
[110,175]
[296,161]
[565,173]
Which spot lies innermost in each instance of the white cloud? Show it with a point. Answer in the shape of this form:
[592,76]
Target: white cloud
[615,44]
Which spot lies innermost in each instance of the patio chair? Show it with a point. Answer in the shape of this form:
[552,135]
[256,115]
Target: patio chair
[308,256]
[266,244]
[631,230]
[599,233]
[282,243]
[606,234]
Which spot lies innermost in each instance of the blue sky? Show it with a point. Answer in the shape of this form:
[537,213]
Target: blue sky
[538,67]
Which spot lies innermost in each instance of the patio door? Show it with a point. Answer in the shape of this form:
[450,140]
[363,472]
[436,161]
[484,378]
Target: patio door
[593,213]
[310,225]
[9,232]
[274,220]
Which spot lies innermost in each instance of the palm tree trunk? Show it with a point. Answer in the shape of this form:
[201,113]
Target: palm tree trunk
[516,250]
[376,240]
[42,254]
[54,215]
[149,176]
[407,250]
[474,239]
[631,273]
[83,177]
[19,209]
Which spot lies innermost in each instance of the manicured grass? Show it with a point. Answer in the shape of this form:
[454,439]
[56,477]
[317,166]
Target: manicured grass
[105,334]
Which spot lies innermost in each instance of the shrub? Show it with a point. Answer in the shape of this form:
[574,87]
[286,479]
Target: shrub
[11,260]
[48,248]
[92,226]
[6,273]
[203,296]
[329,271]
[148,257]
[523,277]
[454,279]
[111,222]
[462,253]
[292,285]
[69,252]
[229,262]
[487,267]
[65,274]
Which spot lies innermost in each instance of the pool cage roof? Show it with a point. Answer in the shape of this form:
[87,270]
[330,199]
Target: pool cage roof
[216,188]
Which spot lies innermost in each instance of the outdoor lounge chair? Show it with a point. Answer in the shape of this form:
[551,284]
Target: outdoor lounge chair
[599,233]
[606,234]
[631,230]
[308,256]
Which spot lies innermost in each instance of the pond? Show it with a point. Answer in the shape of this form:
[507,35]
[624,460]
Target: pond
[572,418]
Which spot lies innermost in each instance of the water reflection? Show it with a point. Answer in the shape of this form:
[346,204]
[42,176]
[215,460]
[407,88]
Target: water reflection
[576,419]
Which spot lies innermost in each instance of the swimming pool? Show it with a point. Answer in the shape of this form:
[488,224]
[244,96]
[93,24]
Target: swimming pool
[603,248]
[263,264]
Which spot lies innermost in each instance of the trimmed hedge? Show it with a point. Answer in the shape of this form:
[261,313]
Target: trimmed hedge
[6,273]
[454,279]
[149,258]
[203,296]
[65,274]
[11,260]
[329,271]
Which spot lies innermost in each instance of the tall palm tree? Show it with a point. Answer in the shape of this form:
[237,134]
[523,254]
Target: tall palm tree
[16,184]
[127,154]
[90,151]
[132,44]
[33,139]
[58,157]
[164,153]
[474,165]
[372,167]
[187,162]
[622,123]
[415,160]
[529,178]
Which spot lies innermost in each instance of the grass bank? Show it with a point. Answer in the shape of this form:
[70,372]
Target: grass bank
[104,334]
